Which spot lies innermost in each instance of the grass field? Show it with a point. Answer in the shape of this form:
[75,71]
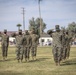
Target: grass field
[44,65]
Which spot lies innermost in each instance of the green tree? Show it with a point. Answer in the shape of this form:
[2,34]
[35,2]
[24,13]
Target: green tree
[19,25]
[32,23]
[72,26]
[35,24]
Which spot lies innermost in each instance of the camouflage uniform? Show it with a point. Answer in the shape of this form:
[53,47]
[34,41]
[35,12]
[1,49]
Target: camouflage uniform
[26,45]
[19,46]
[57,46]
[5,43]
[68,41]
[34,44]
[63,45]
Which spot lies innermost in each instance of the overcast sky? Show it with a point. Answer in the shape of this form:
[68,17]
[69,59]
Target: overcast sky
[53,12]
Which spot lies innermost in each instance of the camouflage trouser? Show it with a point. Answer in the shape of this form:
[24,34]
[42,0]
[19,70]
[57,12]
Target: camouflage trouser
[4,50]
[68,51]
[19,53]
[57,53]
[33,51]
[27,52]
[64,50]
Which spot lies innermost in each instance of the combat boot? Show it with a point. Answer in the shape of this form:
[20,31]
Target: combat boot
[56,64]
[25,59]
[32,58]
[4,58]
[21,61]
[18,61]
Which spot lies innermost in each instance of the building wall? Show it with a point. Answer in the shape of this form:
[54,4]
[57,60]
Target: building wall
[45,41]
[11,39]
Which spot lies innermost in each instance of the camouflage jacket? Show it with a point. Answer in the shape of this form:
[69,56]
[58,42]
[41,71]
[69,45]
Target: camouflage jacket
[18,39]
[57,39]
[27,41]
[67,39]
[5,39]
[35,40]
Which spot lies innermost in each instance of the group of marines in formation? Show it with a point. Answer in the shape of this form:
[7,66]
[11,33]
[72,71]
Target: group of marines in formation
[27,43]
[62,39]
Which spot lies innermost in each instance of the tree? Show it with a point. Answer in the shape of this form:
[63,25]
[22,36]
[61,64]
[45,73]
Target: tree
[35,24]
[19,25]
[72,28]
[38,24]
[32,23]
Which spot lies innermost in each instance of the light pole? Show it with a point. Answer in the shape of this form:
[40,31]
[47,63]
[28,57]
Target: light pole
[23,12]
[40,17]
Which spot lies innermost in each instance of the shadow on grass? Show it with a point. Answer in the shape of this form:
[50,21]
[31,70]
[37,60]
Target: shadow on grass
[43,59]
[10,73]
[1,60]
[69,62]
[39,60]
[8,59]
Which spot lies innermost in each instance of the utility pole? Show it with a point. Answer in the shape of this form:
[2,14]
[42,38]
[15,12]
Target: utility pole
[40,17]
[23,12]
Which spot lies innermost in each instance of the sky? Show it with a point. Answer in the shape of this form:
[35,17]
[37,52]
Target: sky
[53,12]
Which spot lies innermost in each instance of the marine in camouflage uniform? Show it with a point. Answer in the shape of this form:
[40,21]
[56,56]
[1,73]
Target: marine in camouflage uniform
[35,40]
[63,44]
[57,46]
[4,43]
[27,41]
[68,39]
[19,45]
[66,42]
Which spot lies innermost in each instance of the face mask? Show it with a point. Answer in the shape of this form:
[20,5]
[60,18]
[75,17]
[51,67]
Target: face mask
[20,33]
[5,32]
[57,30]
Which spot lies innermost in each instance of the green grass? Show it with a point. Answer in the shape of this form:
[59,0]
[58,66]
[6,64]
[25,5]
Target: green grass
[44,65]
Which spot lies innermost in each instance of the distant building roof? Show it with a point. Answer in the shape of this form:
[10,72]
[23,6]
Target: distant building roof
[10,32]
